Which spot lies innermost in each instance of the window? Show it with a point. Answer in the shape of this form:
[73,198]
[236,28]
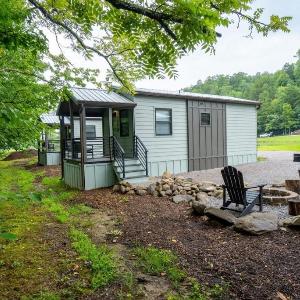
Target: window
[163,121]
[124,123]
[90,131]
[205,119]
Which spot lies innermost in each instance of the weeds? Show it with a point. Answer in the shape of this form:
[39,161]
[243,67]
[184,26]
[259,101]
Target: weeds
[102,260]
[157,262]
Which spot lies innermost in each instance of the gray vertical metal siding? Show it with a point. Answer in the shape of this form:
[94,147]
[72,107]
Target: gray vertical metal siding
[53,158]
[99,175]
[72,175]
[206,144]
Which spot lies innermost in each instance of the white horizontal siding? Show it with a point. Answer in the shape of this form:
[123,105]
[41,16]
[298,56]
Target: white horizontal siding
[96,122]
[165,152]
[241,131]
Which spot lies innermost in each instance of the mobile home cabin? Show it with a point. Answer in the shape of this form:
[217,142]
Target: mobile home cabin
[151,132]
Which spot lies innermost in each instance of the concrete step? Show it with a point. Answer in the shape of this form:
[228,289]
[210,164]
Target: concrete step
[132,174]
[128,168]
[139,179]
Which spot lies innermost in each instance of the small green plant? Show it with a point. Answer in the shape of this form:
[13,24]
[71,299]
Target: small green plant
[102,260]
[59,211]
[8,236]
[79,209]
[53,182]
[157,261]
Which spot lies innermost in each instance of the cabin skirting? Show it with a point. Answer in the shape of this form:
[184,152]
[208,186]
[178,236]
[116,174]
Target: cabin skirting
[97,175]
[157,168]
[49,158]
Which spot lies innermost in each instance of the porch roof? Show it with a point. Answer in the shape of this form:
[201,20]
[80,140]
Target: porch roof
[98,97]
[52,119]
[94,100]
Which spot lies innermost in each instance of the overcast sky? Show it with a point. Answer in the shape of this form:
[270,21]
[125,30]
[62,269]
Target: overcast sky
[234,52]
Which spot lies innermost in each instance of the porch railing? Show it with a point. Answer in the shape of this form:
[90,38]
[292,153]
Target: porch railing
[96,148]
[118,155]
[49,146]
[140,152]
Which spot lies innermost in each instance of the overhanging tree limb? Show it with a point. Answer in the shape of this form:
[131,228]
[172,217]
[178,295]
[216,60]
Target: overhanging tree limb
[48,16]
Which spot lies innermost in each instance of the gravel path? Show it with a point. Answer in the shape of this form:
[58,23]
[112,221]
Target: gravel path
[277,167]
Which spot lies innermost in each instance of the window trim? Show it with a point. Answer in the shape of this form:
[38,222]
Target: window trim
[164,122]
[86,132]
[208,113]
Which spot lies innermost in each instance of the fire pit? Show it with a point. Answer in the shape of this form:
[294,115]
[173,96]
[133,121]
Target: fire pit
[274,196]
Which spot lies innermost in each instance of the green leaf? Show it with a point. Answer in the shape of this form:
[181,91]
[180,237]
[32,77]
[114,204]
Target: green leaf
[8,236]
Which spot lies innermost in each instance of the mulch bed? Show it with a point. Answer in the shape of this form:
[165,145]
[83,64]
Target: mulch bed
[21,154]
[255,267]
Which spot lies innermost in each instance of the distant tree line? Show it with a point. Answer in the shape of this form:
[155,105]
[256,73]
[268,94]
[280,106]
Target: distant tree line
[278,93]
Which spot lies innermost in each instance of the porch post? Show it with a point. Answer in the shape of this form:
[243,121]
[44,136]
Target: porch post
[62,143]
[46,141]
[83,142]
[110,121]
[72,129]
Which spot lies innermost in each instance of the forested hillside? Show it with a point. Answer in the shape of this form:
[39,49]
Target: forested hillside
[278,93]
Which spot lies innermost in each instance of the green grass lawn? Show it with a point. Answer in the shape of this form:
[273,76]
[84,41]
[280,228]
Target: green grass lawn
[279,143]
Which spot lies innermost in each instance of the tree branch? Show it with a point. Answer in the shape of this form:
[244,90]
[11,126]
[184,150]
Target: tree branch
[48,16]
[11,70]
[159,17]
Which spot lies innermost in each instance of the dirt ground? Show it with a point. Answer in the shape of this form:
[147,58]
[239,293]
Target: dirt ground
[254,267]
[21,154]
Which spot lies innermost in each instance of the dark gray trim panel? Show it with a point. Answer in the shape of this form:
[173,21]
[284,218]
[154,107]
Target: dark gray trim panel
[206,144]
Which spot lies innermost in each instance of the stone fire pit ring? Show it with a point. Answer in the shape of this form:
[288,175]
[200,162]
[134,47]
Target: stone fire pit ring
[276,196]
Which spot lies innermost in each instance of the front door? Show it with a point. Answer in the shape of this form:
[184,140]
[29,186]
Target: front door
[122,120]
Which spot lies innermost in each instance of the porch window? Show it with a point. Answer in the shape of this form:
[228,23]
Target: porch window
[205,119]
[124,123]
[163,121]
[90,131]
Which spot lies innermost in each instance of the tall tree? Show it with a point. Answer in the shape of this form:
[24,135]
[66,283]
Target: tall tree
[278,93]
[135,38]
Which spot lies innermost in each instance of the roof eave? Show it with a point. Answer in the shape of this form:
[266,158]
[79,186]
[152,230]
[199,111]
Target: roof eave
[192,97]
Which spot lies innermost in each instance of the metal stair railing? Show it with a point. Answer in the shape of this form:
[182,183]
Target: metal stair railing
[140,151]
[118,155]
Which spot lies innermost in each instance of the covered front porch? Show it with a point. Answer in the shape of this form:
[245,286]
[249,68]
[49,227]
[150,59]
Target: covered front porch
[100,146]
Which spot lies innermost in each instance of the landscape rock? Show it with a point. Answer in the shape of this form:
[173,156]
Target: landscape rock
[122,189]
[151,189]
[169,193]
[218,193]
[223,216]
[165,187]
[162,193]
[201,196]
[208,188]
[166,175]
[131,192]
[182,198]
[292,222]
[141,192]
[257,223]
[200,204]
[116,188]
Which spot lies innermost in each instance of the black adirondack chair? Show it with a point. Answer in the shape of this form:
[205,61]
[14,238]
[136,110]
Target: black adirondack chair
[238,193]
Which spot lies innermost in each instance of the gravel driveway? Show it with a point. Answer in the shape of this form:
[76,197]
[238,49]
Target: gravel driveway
[277,167]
